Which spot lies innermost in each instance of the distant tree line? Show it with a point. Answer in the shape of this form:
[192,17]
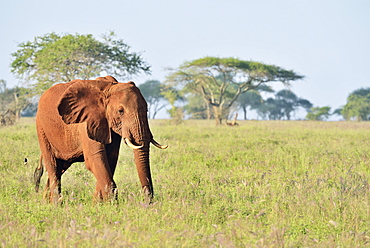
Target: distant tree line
[281,106]
[205,88]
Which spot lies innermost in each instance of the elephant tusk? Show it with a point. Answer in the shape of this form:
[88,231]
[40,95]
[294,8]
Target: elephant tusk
[158,145]
[132,146]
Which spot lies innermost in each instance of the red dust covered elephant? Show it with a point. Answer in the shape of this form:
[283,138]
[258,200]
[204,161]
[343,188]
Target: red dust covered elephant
[85,120]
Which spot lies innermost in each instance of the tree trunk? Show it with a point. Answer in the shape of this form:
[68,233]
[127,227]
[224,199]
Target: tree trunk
[218,114]
[208,109]
[209,114]
[16,111]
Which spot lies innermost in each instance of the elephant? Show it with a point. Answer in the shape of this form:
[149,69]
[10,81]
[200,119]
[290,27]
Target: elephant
[85,121]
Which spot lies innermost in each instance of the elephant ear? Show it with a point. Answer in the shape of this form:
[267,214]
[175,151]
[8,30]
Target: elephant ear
[83,102]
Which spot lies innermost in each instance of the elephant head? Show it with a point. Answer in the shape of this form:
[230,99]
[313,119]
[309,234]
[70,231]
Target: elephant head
[108,106]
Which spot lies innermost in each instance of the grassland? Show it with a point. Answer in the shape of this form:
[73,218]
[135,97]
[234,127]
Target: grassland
[261,184]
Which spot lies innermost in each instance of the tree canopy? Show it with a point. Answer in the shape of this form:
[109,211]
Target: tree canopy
[318,113]
[282,106]
[54,58]
[358,105]
[252,99]
[152,91]
[220,81]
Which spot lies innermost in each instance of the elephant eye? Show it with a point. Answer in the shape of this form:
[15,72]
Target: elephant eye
[120,110]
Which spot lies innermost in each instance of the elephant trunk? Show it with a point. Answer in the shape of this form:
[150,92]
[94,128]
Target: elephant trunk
[141,136]
[141,157]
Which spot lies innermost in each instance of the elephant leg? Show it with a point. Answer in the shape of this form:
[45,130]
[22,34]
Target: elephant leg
[52,188]
[97,162]
[46,193]
[54,168]
[112,151]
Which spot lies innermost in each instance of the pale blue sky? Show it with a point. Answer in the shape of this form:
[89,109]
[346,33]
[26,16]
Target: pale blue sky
[328,41]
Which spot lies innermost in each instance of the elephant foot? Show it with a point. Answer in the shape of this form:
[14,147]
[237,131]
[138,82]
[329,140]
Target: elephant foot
[55,198]
[109,192]
[52,192]
[148,194]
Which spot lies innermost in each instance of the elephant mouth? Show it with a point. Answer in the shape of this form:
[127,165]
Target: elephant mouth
[135,147]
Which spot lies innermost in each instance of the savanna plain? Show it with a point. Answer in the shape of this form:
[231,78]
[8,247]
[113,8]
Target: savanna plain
[259,184]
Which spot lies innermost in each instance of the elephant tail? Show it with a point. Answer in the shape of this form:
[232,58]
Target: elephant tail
[37,174]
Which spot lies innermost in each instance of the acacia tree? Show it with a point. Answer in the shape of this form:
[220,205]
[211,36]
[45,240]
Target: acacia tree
[12,102]
[283,105]
[197,108]
[220,81]
[173,96]
[52,58]
[291,102]
[358,105]
[318,113]
[252,99]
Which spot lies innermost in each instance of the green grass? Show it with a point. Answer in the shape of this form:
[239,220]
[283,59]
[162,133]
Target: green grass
[261,184]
